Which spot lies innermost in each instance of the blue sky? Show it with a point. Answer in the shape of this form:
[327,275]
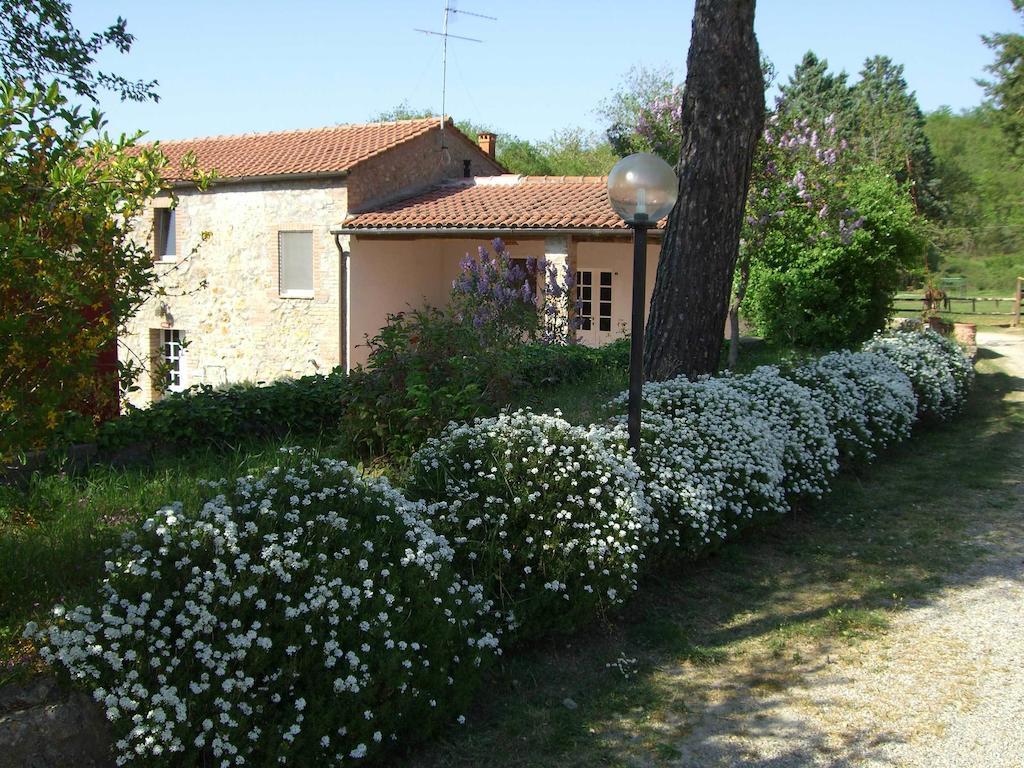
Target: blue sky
[227,66]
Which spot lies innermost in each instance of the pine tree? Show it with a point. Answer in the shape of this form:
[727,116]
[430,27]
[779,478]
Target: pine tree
[813,94]
[722,117]
[1006,90]
[888,129]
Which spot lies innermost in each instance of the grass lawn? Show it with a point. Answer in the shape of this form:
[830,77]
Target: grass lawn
[822,580]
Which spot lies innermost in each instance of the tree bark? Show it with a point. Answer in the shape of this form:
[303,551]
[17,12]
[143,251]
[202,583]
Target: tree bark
[723,113]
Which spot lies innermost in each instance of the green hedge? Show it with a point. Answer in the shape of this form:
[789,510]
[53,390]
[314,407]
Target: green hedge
[385,410]
[205,415]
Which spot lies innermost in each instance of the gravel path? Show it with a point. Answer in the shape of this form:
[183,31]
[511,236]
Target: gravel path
[944,686]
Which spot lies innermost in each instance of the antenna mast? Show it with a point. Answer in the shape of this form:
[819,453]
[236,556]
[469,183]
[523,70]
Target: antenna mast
[444,35]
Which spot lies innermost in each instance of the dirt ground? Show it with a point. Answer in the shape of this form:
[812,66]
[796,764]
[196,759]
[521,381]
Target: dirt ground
[944,686]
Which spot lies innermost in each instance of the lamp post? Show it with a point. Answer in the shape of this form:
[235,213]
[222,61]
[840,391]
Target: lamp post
[642,188]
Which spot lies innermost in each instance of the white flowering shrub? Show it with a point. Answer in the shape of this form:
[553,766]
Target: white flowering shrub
[549,516]
[937,367]
[870,404]
[710,464]
[309,617]
[810,458]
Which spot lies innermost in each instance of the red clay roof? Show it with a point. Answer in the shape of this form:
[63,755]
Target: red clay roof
[319,150]
[500,203]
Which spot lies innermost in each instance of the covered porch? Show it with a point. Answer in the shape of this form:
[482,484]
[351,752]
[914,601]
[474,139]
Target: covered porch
[386,275]
[406,254]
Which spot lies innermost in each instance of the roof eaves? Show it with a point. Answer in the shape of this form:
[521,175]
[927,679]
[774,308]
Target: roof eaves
[303,176]
[441,231]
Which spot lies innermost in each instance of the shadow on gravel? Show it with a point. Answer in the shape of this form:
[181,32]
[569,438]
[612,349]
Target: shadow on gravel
[710,649]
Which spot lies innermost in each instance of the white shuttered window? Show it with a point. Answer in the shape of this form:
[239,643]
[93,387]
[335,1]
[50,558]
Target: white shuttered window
[295,264]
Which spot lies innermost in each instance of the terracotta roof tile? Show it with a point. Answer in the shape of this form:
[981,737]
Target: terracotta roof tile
[500,202]
[319,150]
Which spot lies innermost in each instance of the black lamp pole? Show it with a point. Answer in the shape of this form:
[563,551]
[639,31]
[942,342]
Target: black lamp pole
[639,224]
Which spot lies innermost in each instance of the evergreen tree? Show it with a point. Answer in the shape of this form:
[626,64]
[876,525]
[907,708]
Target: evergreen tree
[722,116]
[1006,90]
[888,129]
[813,93]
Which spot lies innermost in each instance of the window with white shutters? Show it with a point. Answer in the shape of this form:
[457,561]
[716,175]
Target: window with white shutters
[295,264]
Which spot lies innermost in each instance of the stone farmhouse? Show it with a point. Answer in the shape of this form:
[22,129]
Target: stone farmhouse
[316,236]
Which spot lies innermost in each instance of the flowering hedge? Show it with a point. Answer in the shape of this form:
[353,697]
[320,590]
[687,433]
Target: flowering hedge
[315,616]
[550,517]
[940,375]
[793,414]
[869,403]
[312,615]
[708,463]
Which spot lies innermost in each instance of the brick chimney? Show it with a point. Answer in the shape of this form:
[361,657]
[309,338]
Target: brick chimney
[487,142]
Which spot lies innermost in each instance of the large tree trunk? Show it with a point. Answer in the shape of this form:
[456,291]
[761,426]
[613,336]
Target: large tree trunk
[723,113]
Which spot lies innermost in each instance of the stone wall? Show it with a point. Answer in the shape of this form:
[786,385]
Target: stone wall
[237,326]
[414,165]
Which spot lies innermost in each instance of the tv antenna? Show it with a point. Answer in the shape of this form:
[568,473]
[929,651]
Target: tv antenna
[444,35]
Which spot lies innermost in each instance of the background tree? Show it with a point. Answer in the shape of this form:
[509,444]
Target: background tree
[1006,89]
[813,93]
[722,116]
[642,99]
[655,125]
[522,156]
[831,226]
[982,238]
[888,130]
[402,111]
[576,152]
[568,152]
[823,273]
[796,199]
[39,44]
[71,270]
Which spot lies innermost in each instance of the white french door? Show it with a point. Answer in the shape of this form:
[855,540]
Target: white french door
[172,350]
[594,291]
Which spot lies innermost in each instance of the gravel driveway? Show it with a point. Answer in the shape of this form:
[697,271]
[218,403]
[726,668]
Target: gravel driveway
[943,687]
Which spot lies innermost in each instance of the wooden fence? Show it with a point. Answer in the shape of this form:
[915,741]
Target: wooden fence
[982,306]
